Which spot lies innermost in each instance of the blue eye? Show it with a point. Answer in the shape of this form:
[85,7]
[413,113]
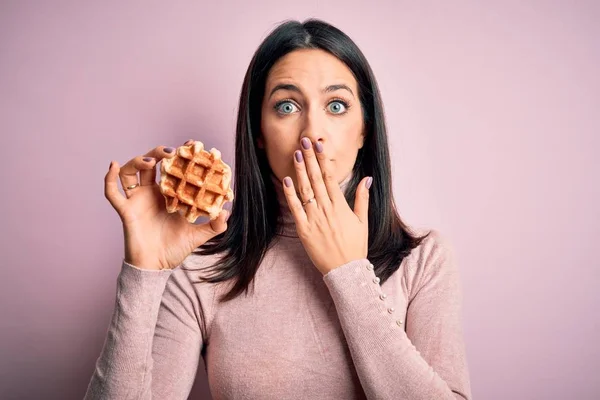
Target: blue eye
[285,107]
[340,107]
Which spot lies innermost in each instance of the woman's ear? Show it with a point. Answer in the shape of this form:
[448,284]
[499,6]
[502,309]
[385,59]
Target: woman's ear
[362,140]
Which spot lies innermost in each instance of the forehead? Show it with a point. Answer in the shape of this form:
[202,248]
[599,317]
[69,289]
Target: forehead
[310,68]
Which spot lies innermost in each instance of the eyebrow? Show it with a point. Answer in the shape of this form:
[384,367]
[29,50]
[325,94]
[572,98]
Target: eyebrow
[294,88]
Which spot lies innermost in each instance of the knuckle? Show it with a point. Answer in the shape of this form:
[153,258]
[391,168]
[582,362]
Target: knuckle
[304,232]
[306,191]
[327,175]
[325,227]
[108,195]
[221,228]
[297,206]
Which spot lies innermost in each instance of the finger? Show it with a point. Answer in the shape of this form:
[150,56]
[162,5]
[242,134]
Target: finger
[161,152]
[294,202]
[111,188]
[205,232]
[148,176]
[314,173]
[361,201]
[219,224]
[304,187]
[327,173]
[129,172]
[147,171]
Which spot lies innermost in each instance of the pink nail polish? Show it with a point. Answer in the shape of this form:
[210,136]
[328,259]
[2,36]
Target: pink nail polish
[305,143]
[319,147]
[287,181]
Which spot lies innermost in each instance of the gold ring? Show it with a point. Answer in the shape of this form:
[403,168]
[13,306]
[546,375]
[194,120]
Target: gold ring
[132,186]
[308,201]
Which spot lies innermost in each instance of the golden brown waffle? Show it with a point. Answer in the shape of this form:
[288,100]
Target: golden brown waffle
[195,182]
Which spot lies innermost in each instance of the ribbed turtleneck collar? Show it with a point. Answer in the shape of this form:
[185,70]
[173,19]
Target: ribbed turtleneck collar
[287,226]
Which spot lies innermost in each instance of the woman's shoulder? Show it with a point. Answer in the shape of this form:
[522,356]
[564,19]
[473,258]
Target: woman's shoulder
[196,268]
[435,244]
[433,258]
[188,279]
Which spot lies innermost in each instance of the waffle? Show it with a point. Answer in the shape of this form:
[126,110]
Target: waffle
[195,182]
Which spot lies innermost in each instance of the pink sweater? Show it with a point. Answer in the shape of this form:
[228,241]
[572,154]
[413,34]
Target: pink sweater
[297,335]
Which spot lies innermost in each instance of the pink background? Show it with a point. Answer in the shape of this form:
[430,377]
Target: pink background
[493,113]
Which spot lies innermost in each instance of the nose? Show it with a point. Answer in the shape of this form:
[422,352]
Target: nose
[314,127]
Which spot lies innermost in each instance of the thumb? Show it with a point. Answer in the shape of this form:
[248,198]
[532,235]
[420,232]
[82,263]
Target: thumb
[361,201]
[203,233]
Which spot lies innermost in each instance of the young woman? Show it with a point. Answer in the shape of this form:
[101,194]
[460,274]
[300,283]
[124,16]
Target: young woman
[346,302]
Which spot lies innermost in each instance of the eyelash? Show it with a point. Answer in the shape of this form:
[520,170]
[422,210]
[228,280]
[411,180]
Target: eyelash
[346,104]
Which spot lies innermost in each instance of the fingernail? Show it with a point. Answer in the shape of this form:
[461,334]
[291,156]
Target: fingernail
[319,147]
[305,143]
[287,181]
[228,215]
[168,149]
[298,155]
[369,182]
[148,159]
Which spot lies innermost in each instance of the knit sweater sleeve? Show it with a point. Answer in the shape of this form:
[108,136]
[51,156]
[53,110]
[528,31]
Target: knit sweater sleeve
[423,358]
[154,340]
